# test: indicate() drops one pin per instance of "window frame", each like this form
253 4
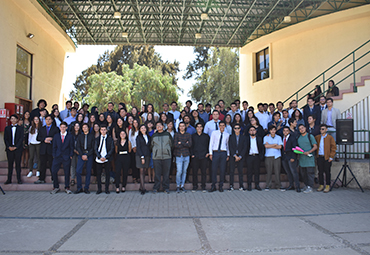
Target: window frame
26 75
267 69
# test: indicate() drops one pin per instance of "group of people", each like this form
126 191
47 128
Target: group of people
108 144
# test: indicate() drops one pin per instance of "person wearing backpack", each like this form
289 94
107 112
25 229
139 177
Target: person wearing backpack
307 160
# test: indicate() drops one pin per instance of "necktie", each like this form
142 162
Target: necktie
68 113
101 145
85 144
47 130
216 125
284 142
219 144
62 138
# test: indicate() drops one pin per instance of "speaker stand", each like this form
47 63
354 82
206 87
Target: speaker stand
2 190
344 177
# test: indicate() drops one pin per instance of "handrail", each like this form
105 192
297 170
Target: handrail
353 62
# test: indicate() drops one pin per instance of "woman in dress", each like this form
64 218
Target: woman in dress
26 127
123 149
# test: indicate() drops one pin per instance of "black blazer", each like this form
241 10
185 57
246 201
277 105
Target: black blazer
46 148
316 111
109 146
241 147
81 143
260 132
18 140
142 148
169 115
63 150
288 153
260 147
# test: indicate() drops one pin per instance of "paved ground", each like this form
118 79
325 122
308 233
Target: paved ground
235 222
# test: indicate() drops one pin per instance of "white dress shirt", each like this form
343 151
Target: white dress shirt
103 152
210 127
14 128
215 141
263 118
254 148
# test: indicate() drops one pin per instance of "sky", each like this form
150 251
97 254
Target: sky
86 55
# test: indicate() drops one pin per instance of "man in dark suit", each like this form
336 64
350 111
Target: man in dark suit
63 146
312 109
237 147
41 104
289 159
13 140
165 107
104 148
46 136
255 152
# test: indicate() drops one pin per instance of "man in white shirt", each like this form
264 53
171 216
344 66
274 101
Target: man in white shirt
262 117
176 114
234 110
212 125
219 155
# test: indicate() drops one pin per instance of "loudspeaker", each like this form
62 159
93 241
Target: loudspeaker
345 132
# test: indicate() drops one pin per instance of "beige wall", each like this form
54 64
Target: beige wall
300 52
48 53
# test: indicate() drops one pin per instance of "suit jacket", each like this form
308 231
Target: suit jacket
240 147
169 115
334 116
329 146
260 146
142 148
18 140
315 111
288 153
63 150
46 148
109 146
81 143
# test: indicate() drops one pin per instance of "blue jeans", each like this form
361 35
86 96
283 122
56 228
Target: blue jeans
182 164
80 165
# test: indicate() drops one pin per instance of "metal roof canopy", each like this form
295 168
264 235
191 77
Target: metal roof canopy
230 23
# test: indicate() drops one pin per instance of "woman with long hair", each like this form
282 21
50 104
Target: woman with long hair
150 108
101 120
316 94
110 125
195 119
135 115
55 114
256 124
142 155
92 121
75 133
151 130
163 118
34 145
333 91
180 119
132 134
120 126
238 120
26 127
123 149
250 114
297 115
228 127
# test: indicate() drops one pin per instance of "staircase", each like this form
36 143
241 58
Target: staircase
28 183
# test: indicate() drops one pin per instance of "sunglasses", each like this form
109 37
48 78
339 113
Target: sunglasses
236 128
322 128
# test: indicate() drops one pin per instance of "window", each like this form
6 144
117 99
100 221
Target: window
263 64
23 76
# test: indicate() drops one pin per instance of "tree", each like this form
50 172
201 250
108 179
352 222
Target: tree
132 86
220 80
114 60
199 65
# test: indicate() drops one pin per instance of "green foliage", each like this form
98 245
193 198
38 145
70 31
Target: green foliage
116 59
132 86
220 78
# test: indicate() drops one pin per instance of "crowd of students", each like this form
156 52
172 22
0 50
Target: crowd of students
109 144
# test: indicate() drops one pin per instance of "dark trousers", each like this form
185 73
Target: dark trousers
202 164
80 165
161 167
308 174
135 170
122 164
44 159
253 169
292 172
57 162
218 161
99 169
324 168
16 156
239 165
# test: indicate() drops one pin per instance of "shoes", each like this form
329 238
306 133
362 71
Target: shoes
183 190
327 189
117 190
298 189
37 173
107 192
54 191
213 189
316 181
321 188
231 188
68 191
87 191
282 189
267 189
123 189
98 192
241 188
7 182
258 187
143 191
204 190
250 188
194 189
178 190
308 190
167 191
78 191
290 187
19 182
29 175
221 189
155 191
39 182
73 183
